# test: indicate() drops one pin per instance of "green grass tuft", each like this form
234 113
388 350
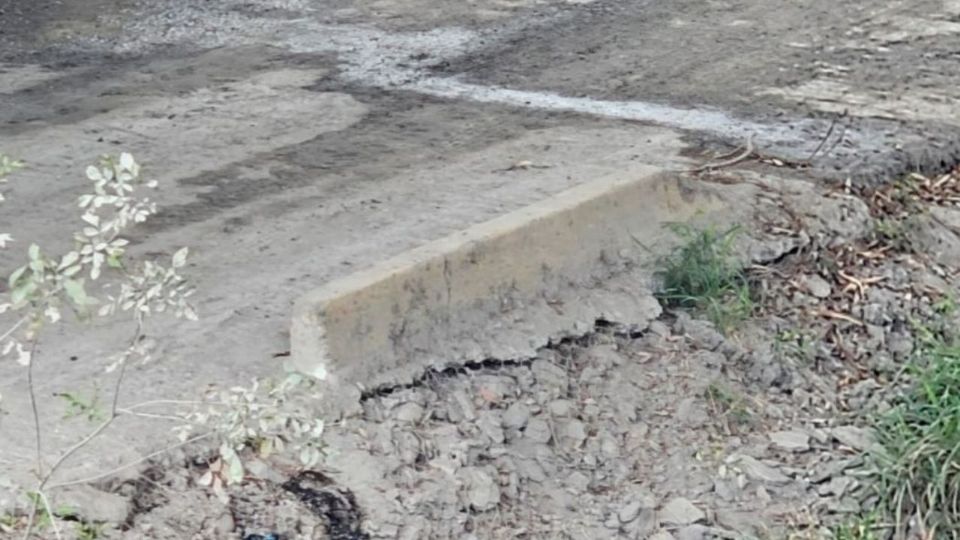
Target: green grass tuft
862 529
918 459
702 274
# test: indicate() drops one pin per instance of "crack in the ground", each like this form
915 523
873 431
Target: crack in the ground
432 375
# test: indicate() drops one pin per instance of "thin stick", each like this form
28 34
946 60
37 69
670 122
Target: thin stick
747 152
830 314
839 140
128 412
166 402
53 518
33 405
13 329
106 423
45 477
823 141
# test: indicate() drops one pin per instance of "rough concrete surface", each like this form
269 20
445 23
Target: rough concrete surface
299 141
504 288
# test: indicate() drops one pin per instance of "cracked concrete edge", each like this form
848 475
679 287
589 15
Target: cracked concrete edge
503 288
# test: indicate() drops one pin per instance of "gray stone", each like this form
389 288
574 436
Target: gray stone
819 435
578 482
741 522
764 496
662 535
495 388
462 407
489 423
836 486
726 489
882 362
415 528
260 469
659 329
479 489
223 525
846 505
537 430
606 355
629 512
516 416
680 511
900 345
833 468
691 412
409 412
816 285
560 407
646 522
590 409
407 447
854 437
627 412
636 437
574 433
640 527
702 334
549 374
694 532
530 469
791 441
876 338
609 447
759 471
92 504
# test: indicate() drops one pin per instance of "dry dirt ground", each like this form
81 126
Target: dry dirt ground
298 140
672 430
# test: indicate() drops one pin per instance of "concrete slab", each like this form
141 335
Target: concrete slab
265 231
501 289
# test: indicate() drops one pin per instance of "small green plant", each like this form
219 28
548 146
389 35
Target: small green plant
893 231
89 531
262 418
863 528
730 407
8 522
50 287
77 405
46 515
702 274
917 463
98 278
794 344
946 305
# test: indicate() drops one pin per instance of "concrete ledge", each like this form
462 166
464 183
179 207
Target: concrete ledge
501 289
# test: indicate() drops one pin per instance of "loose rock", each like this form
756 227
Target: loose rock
537 431
516 416
757 470
816 285
791 441
409 412
855 437
629 512
680 511
478 489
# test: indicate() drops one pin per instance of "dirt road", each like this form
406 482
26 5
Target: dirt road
297 140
